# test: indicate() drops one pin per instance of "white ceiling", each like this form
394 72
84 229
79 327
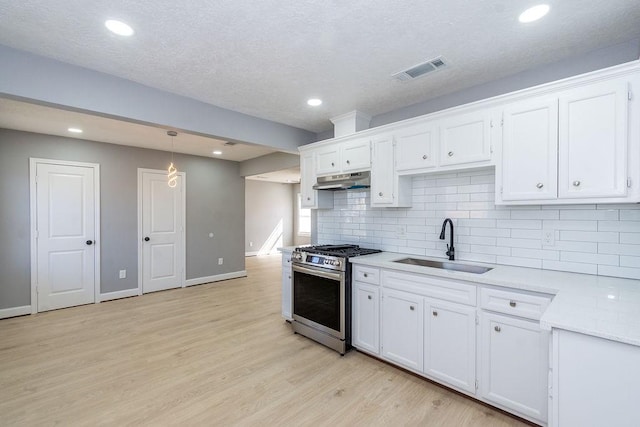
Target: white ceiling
28 117
265 58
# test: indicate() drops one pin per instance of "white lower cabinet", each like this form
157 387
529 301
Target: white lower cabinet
286 285
366 317
450 343
514 364
402 328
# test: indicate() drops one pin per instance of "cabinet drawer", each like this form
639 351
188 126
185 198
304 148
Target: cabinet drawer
515 303
444 289
366 274
286 260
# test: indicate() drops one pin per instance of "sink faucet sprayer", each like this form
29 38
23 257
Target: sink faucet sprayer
450 248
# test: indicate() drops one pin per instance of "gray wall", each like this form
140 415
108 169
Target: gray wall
46 81
267 204
214 203
595 60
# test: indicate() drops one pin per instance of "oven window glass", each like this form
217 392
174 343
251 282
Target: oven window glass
317 299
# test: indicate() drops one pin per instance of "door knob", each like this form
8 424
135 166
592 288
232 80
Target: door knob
146 239
450 153
348 162
425 157
540 185
89 242
435 313
380 194
411 308
576 183
497 328
368 296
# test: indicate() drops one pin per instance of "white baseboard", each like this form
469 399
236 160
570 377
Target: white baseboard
15 311
216 278
119 294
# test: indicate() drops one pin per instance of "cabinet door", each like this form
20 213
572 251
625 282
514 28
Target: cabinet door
529 169
356 155
402 328
366 317
593 141
382 179
286 285
310 198
515 364
450 343
465 138
328 159
416 147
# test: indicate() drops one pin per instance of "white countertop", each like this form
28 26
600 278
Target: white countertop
286 248
601 306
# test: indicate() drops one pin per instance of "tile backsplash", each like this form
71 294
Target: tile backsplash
593 239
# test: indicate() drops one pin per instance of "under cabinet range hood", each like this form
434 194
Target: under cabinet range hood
345 181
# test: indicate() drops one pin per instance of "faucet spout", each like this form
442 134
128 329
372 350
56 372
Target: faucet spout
450 249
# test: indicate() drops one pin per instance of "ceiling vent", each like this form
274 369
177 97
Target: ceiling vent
420 70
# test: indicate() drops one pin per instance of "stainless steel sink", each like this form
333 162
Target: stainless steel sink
475 269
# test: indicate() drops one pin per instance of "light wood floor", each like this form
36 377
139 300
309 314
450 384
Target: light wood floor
215 354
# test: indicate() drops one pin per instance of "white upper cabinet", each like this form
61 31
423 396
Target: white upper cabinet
568 148
387 188
416 147
465 138
310 198
342 157
529 165
593 141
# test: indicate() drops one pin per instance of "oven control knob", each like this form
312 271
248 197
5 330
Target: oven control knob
336 263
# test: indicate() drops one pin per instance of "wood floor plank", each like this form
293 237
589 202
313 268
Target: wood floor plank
213 354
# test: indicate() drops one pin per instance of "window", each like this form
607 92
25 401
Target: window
304 219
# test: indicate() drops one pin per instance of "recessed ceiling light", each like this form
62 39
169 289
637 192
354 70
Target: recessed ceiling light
217 153
75 130
314 102
534 13
118 27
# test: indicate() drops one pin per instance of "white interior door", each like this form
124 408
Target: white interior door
162 232
65 234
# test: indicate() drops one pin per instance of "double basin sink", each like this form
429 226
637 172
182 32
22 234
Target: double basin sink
475 269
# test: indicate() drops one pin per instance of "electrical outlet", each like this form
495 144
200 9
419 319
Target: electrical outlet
210 235
250 244
548 237
401 230
123 274
220 261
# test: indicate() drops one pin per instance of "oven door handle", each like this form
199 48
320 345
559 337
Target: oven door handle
317 272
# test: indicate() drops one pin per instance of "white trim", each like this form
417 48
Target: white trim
15 311
126 293
183 243
216 278
33 163
252 253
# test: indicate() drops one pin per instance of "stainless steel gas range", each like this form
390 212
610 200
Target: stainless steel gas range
321 286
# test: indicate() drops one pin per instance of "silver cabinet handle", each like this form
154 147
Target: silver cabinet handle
289 277
365 275
308 198
380 193
348 162
435 313
576 183
540 185
425 157
497 329
512 303
368 296
450 153
411 308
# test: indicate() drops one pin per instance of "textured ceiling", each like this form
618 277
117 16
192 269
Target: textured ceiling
265 58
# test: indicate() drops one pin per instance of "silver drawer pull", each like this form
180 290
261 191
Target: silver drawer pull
365 275
512 303
411 308
540 185
348 162
368 296
450 153
380 194
332 164
497 329
308 198
576 183
425 157
435 313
